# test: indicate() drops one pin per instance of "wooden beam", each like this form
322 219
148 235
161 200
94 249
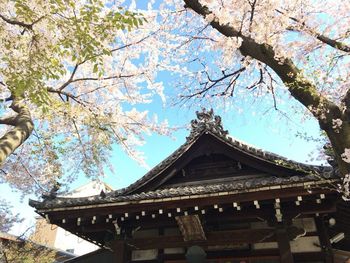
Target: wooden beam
324 239
233 237
132 209
135 207
254 254
283 245
224 255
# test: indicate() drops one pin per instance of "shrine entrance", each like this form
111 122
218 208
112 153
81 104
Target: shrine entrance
228 201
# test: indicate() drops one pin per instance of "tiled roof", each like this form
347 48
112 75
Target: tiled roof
206 123
240 186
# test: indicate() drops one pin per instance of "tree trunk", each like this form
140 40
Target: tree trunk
340 141
324 110
23 127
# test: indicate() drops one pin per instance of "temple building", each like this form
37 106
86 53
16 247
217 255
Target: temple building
215 200
56 237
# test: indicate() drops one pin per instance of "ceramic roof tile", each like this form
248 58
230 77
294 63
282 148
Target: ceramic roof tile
173 192
206 123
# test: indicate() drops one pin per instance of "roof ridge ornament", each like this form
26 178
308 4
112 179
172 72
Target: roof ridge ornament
207 121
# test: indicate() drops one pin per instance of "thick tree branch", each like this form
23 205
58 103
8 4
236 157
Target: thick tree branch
23 127
346 105
324 110
299 87
12 120
324 39
15 22
20 23
333 43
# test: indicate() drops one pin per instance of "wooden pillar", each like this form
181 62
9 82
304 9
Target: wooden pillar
160 257
283 245
324 239
120 252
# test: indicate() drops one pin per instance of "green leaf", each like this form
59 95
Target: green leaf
95 68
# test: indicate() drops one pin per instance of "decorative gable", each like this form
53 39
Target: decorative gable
210 155
209 161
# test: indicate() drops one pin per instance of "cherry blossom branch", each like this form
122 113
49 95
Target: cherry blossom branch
324 39
252 6
260 81
19 23
299 87
61 92
122 141
211 83
79 138
272 89
191 38
303 90
105 78
15 22
70 78
119 48
32 176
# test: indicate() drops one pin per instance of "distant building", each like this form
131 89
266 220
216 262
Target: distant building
54 236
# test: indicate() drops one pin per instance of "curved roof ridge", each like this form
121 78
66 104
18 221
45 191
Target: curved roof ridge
267 155
206 123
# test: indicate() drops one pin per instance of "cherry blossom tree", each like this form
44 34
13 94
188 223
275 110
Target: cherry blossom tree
7 218
72 74
265 46
70 69
16 249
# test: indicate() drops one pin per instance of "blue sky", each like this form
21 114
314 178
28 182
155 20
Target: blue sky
246 118
271 132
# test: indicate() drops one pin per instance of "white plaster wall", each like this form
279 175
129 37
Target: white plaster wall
266 245
174 232
306 223
92 188
305 244
65 240
148 254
